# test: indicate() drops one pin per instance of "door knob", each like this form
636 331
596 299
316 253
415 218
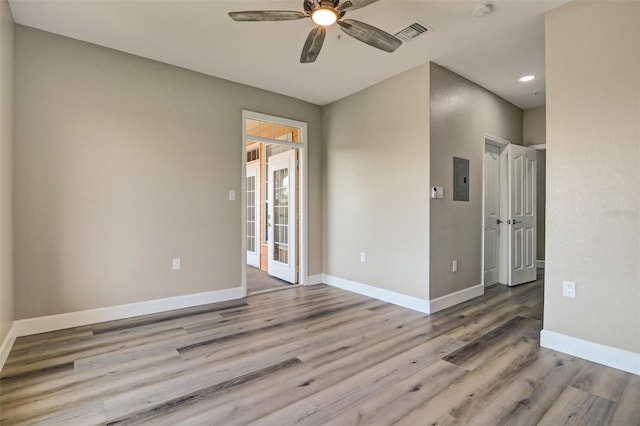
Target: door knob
499 221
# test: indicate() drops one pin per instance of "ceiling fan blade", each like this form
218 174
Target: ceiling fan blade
354 4
266 15
371 35
312 46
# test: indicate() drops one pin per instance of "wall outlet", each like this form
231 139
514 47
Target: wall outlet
454 266
569 289
363 257
175 264
232 195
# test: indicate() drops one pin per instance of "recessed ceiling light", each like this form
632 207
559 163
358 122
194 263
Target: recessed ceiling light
526 78
483 10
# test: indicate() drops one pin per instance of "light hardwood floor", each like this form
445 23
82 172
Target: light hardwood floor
258 280
315 355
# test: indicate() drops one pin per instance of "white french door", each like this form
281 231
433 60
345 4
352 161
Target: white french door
522 214
253 214
492 219
281 223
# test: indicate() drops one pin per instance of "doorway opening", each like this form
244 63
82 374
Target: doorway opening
274 203
509 213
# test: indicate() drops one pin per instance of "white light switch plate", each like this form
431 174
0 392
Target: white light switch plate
232 195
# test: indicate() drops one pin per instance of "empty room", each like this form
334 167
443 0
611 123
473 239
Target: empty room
316 212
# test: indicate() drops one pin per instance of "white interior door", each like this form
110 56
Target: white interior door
492 222
522 214
253 214
281 222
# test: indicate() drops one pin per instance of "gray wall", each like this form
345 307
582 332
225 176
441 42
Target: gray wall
123 163
376 185
534 126
461 114
593 191
6 168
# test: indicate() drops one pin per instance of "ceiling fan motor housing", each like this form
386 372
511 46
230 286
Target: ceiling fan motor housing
310 5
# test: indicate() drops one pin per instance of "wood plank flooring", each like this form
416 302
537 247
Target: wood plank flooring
315 355
258 280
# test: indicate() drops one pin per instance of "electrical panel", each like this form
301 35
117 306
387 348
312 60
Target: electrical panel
460 179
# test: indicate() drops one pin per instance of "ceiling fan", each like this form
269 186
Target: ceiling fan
326 13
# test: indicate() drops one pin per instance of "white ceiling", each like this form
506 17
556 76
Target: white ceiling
493 51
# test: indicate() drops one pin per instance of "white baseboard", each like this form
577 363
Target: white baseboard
315 279
76 319
540 264
602 354
452 299
410 302
7 344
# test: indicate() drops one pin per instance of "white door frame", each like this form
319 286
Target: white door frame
501 143
302 182
505 209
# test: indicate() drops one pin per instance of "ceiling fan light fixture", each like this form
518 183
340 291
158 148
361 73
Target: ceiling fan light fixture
324 16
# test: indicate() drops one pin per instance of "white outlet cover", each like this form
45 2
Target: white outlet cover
363 257
569 289
232 195
175 264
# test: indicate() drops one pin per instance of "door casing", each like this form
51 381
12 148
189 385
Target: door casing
505 269
303 210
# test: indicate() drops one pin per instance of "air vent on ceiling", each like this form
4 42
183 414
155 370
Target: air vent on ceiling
412 31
